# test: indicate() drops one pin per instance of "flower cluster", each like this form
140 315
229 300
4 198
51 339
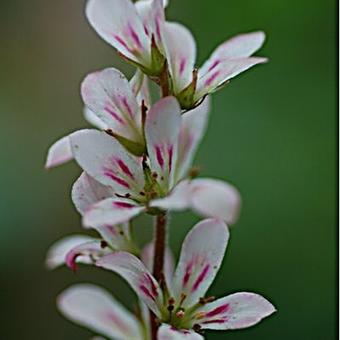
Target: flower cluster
138 160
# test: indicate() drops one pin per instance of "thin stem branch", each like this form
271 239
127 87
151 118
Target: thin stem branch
160 242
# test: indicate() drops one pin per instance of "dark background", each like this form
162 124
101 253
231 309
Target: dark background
272 133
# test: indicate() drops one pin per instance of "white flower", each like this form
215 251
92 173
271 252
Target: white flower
227 61
135 31
181 308
156 182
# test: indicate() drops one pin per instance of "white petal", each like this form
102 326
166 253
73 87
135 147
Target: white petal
178 199
94 308
86 191
119 24
93 119
137 275
180 48
111 212
193 128
91 251
152 15
59 153
56 255
236 311
147 257
209 80
109 95
104 159
162 130
215 198
167 332
240 46
201 257
139 84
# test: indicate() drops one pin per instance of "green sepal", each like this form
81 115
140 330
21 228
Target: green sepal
186 98
135 148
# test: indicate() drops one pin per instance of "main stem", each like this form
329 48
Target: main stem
160 238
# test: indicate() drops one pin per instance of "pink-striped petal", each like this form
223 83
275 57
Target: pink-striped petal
215 198
167 332
180 48
162 130
152 15
148 255
119 24
94 308
193 128
201 257
56 255
109 95
210 79
93 119
111 212
59 153
236 311
104 159
137 275
92 251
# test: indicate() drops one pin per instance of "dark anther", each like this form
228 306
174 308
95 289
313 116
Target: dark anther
110 132
103 244
204 301
171 308
196 327
142 193
121 233
171 301
154 175
127 195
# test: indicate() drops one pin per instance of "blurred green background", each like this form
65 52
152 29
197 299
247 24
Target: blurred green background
272 133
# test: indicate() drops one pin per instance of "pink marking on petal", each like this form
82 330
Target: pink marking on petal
119 323
158 28
182 66
146 30
114 115
187 274
123 205
201 277
125 168
215 321
159 156
121 41
152 284
219 310
134 36
146 292
127 106
170 153
214 65
120 181
211 79
70 260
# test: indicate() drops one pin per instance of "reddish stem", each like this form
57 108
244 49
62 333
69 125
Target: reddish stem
160 238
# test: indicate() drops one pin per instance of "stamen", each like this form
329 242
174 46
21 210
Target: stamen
204 301
183 297
103 244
